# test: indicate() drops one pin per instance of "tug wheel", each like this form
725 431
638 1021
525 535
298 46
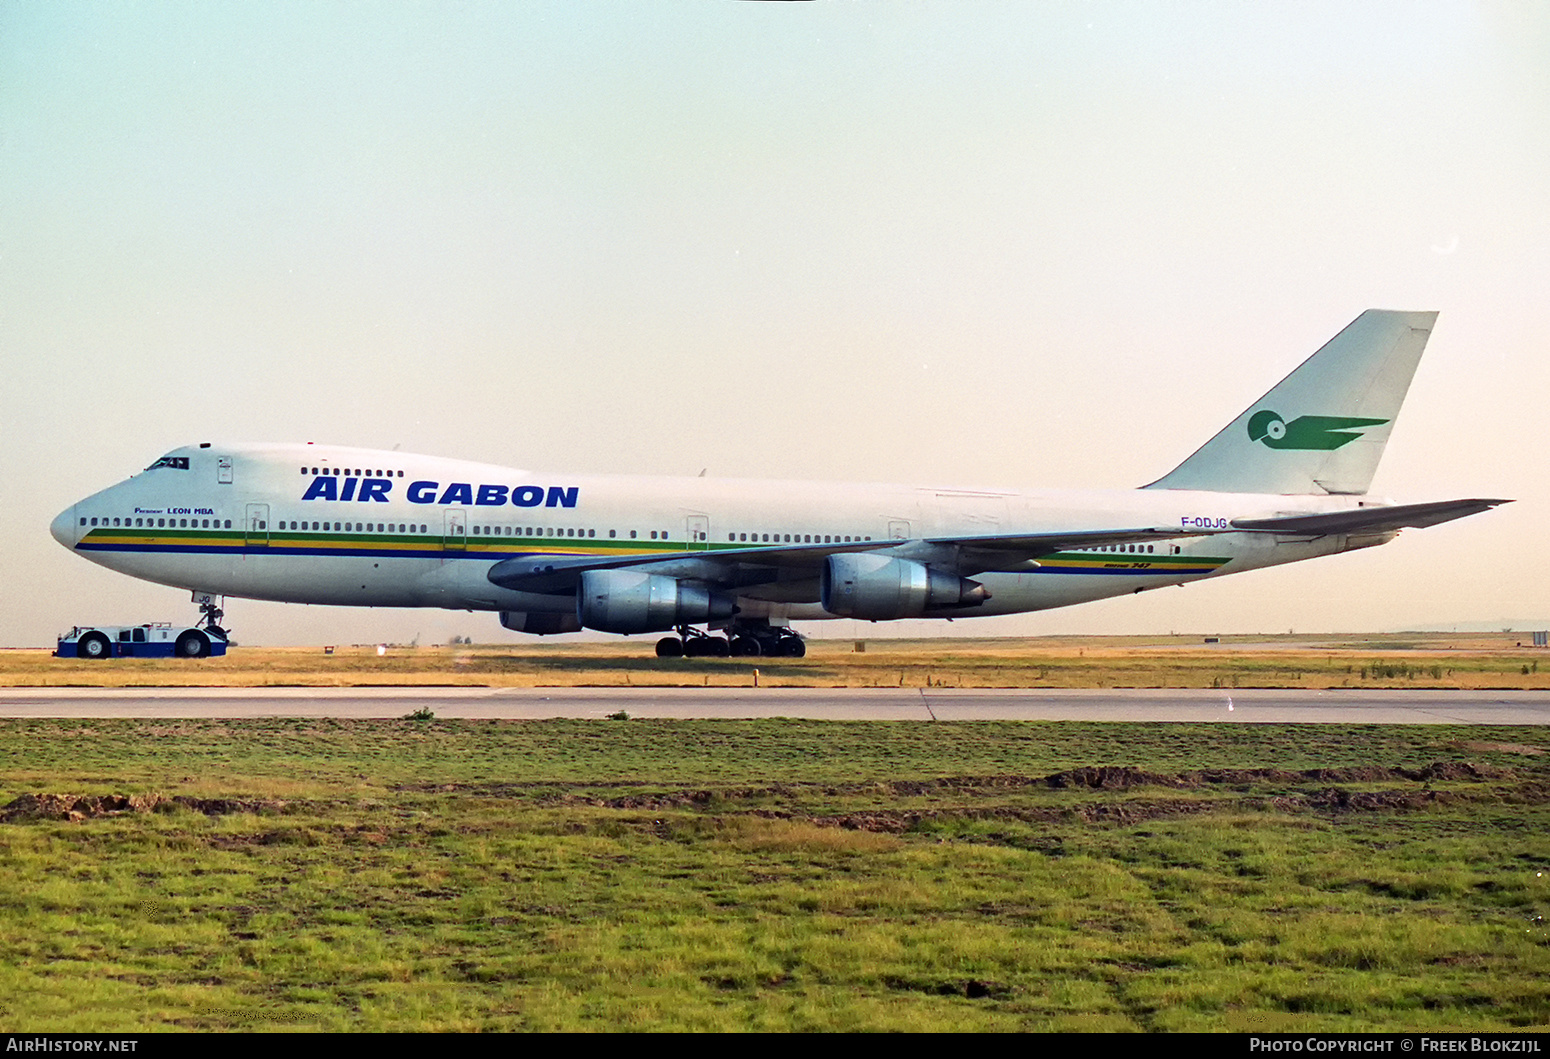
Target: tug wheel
193 644
94 645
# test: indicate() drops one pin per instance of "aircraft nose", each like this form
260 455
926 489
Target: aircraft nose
63 527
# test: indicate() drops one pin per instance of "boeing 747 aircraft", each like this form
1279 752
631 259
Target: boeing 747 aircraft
553 553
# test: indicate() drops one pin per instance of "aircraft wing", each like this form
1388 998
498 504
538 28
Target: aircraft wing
723 566
740 567
965 556
1370 519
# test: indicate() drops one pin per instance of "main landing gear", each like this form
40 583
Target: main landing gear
742 640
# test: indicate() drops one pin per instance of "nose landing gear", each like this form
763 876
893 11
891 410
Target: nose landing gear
209 607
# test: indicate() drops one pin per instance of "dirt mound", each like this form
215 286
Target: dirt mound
1372 801
43 806
1108 778
46 806
1087 777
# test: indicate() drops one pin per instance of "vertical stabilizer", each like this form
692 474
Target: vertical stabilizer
1322 428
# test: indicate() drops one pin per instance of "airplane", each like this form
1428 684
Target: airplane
1285 481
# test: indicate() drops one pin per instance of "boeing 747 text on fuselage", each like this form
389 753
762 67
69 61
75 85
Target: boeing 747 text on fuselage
553 553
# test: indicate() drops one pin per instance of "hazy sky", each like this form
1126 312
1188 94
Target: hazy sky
1020 244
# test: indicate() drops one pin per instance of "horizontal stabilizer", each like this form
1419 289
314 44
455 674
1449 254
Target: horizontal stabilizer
1371 519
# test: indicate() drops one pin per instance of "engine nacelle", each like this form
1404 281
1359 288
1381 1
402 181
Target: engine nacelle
626 601
881 588
540 623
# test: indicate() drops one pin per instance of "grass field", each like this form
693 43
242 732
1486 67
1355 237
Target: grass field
403 875
1374 661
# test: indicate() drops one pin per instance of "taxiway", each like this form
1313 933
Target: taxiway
1334 706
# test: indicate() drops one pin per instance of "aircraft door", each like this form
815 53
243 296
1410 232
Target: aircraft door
257 532
223 470
455 536
697 531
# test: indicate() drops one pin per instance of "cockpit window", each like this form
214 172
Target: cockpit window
179 462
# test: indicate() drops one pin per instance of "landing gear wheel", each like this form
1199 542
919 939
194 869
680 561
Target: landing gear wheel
792 647
698 645
94 646
745 647
670 647
193 644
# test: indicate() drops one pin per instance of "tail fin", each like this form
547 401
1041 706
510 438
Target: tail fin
1322 428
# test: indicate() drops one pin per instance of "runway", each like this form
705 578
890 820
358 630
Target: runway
1336 706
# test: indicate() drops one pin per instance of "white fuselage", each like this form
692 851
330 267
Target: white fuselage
357 527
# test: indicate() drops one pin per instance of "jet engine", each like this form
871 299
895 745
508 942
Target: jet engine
881 588
626 601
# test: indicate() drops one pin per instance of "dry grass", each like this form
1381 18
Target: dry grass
1406 660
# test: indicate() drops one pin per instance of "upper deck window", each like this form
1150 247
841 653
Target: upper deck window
178 462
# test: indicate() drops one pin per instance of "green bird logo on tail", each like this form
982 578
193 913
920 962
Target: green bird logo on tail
1306 432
